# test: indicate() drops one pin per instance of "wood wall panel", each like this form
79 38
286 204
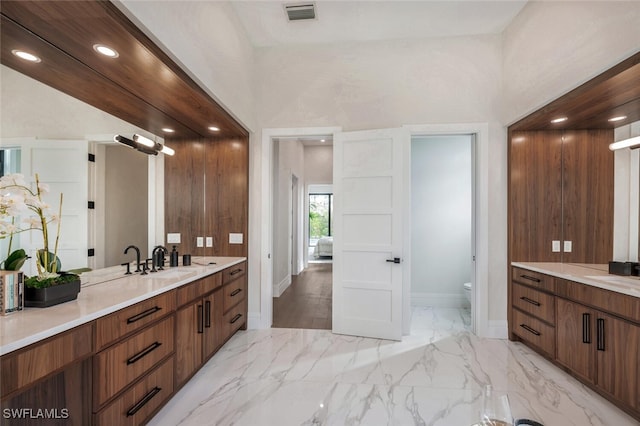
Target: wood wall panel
587 195
535 195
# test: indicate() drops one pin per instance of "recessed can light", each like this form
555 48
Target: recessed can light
214 128
167 130
618 118
559 119
105 50
26 55
323 140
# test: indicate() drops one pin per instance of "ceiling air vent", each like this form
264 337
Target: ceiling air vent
300 11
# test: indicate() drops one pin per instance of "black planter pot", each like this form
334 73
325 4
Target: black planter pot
49 296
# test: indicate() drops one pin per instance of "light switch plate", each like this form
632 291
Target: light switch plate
173 238
567 246
199 241
555 246
235 238
209 241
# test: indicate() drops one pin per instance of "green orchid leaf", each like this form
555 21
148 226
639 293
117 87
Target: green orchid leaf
52 260
15 260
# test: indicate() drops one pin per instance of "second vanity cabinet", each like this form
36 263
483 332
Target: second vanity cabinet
592 332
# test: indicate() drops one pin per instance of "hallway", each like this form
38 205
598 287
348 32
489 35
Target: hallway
307 301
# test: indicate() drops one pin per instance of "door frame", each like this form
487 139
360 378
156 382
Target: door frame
480 240
266 240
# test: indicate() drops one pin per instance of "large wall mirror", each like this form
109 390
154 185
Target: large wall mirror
45 131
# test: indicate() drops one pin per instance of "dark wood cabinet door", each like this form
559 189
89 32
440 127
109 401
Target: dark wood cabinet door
576 338
535 195
587 195
618 357
210 335
189 330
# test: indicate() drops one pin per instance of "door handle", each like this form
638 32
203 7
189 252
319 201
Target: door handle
394 260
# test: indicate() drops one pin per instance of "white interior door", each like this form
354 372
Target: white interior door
63 165
367 283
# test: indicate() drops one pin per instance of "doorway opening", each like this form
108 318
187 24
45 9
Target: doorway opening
442 231
302 279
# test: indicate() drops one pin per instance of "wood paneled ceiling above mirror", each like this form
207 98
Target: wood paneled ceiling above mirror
142 86
614 93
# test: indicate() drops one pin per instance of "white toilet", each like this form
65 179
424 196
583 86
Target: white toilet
467 292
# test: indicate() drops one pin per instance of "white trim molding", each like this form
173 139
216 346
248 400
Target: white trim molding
282 286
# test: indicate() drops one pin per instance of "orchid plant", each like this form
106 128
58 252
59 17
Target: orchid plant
16 199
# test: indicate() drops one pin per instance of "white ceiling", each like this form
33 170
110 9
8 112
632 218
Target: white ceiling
348 21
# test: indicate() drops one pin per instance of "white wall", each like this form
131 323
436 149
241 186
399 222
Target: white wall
552 47
441 215
290 161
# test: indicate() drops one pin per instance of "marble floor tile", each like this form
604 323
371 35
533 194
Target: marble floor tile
435 376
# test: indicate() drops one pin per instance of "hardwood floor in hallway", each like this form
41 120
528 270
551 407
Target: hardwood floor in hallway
307 301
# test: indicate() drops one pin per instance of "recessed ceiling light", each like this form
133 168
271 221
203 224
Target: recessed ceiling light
105 50
618 118
323 140
214 128
25 55
559 119
167 130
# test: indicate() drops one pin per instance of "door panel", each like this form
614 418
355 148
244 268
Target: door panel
367 288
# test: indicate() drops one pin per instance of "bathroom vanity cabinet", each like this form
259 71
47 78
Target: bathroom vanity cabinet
122 367
591 332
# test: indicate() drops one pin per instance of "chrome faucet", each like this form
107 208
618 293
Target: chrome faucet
137 256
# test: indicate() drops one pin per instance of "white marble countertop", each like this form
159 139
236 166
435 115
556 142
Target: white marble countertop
103 292
591 274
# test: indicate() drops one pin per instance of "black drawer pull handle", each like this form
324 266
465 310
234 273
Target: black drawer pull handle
236 291
145 352
237 271
527 277
586 328
600 345
200 320
236 318
533 302
529 329
143 314
207 314
148 397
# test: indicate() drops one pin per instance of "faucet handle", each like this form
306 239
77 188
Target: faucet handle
127 264
153 264
145 268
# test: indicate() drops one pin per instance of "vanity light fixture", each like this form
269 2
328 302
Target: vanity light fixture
105 50
633 143
559 120
26 56
145 145
618 118
214 128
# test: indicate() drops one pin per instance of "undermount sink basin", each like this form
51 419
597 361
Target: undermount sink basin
167 274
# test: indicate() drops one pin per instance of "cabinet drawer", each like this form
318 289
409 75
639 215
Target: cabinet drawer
142 399
233 294
535 331
127 320
233 320
618 304
233 272
536 303
23 367
193 291
533 279
119 365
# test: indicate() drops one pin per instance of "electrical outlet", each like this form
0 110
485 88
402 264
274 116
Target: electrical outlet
567 246
209 241
555 246
173 238
199 241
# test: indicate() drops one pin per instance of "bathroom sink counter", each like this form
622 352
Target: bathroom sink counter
595 275
103 292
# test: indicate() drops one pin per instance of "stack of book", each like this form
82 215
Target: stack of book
11 291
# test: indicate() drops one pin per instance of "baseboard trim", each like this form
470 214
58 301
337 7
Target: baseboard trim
497 329
279 288
439 300
254 321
